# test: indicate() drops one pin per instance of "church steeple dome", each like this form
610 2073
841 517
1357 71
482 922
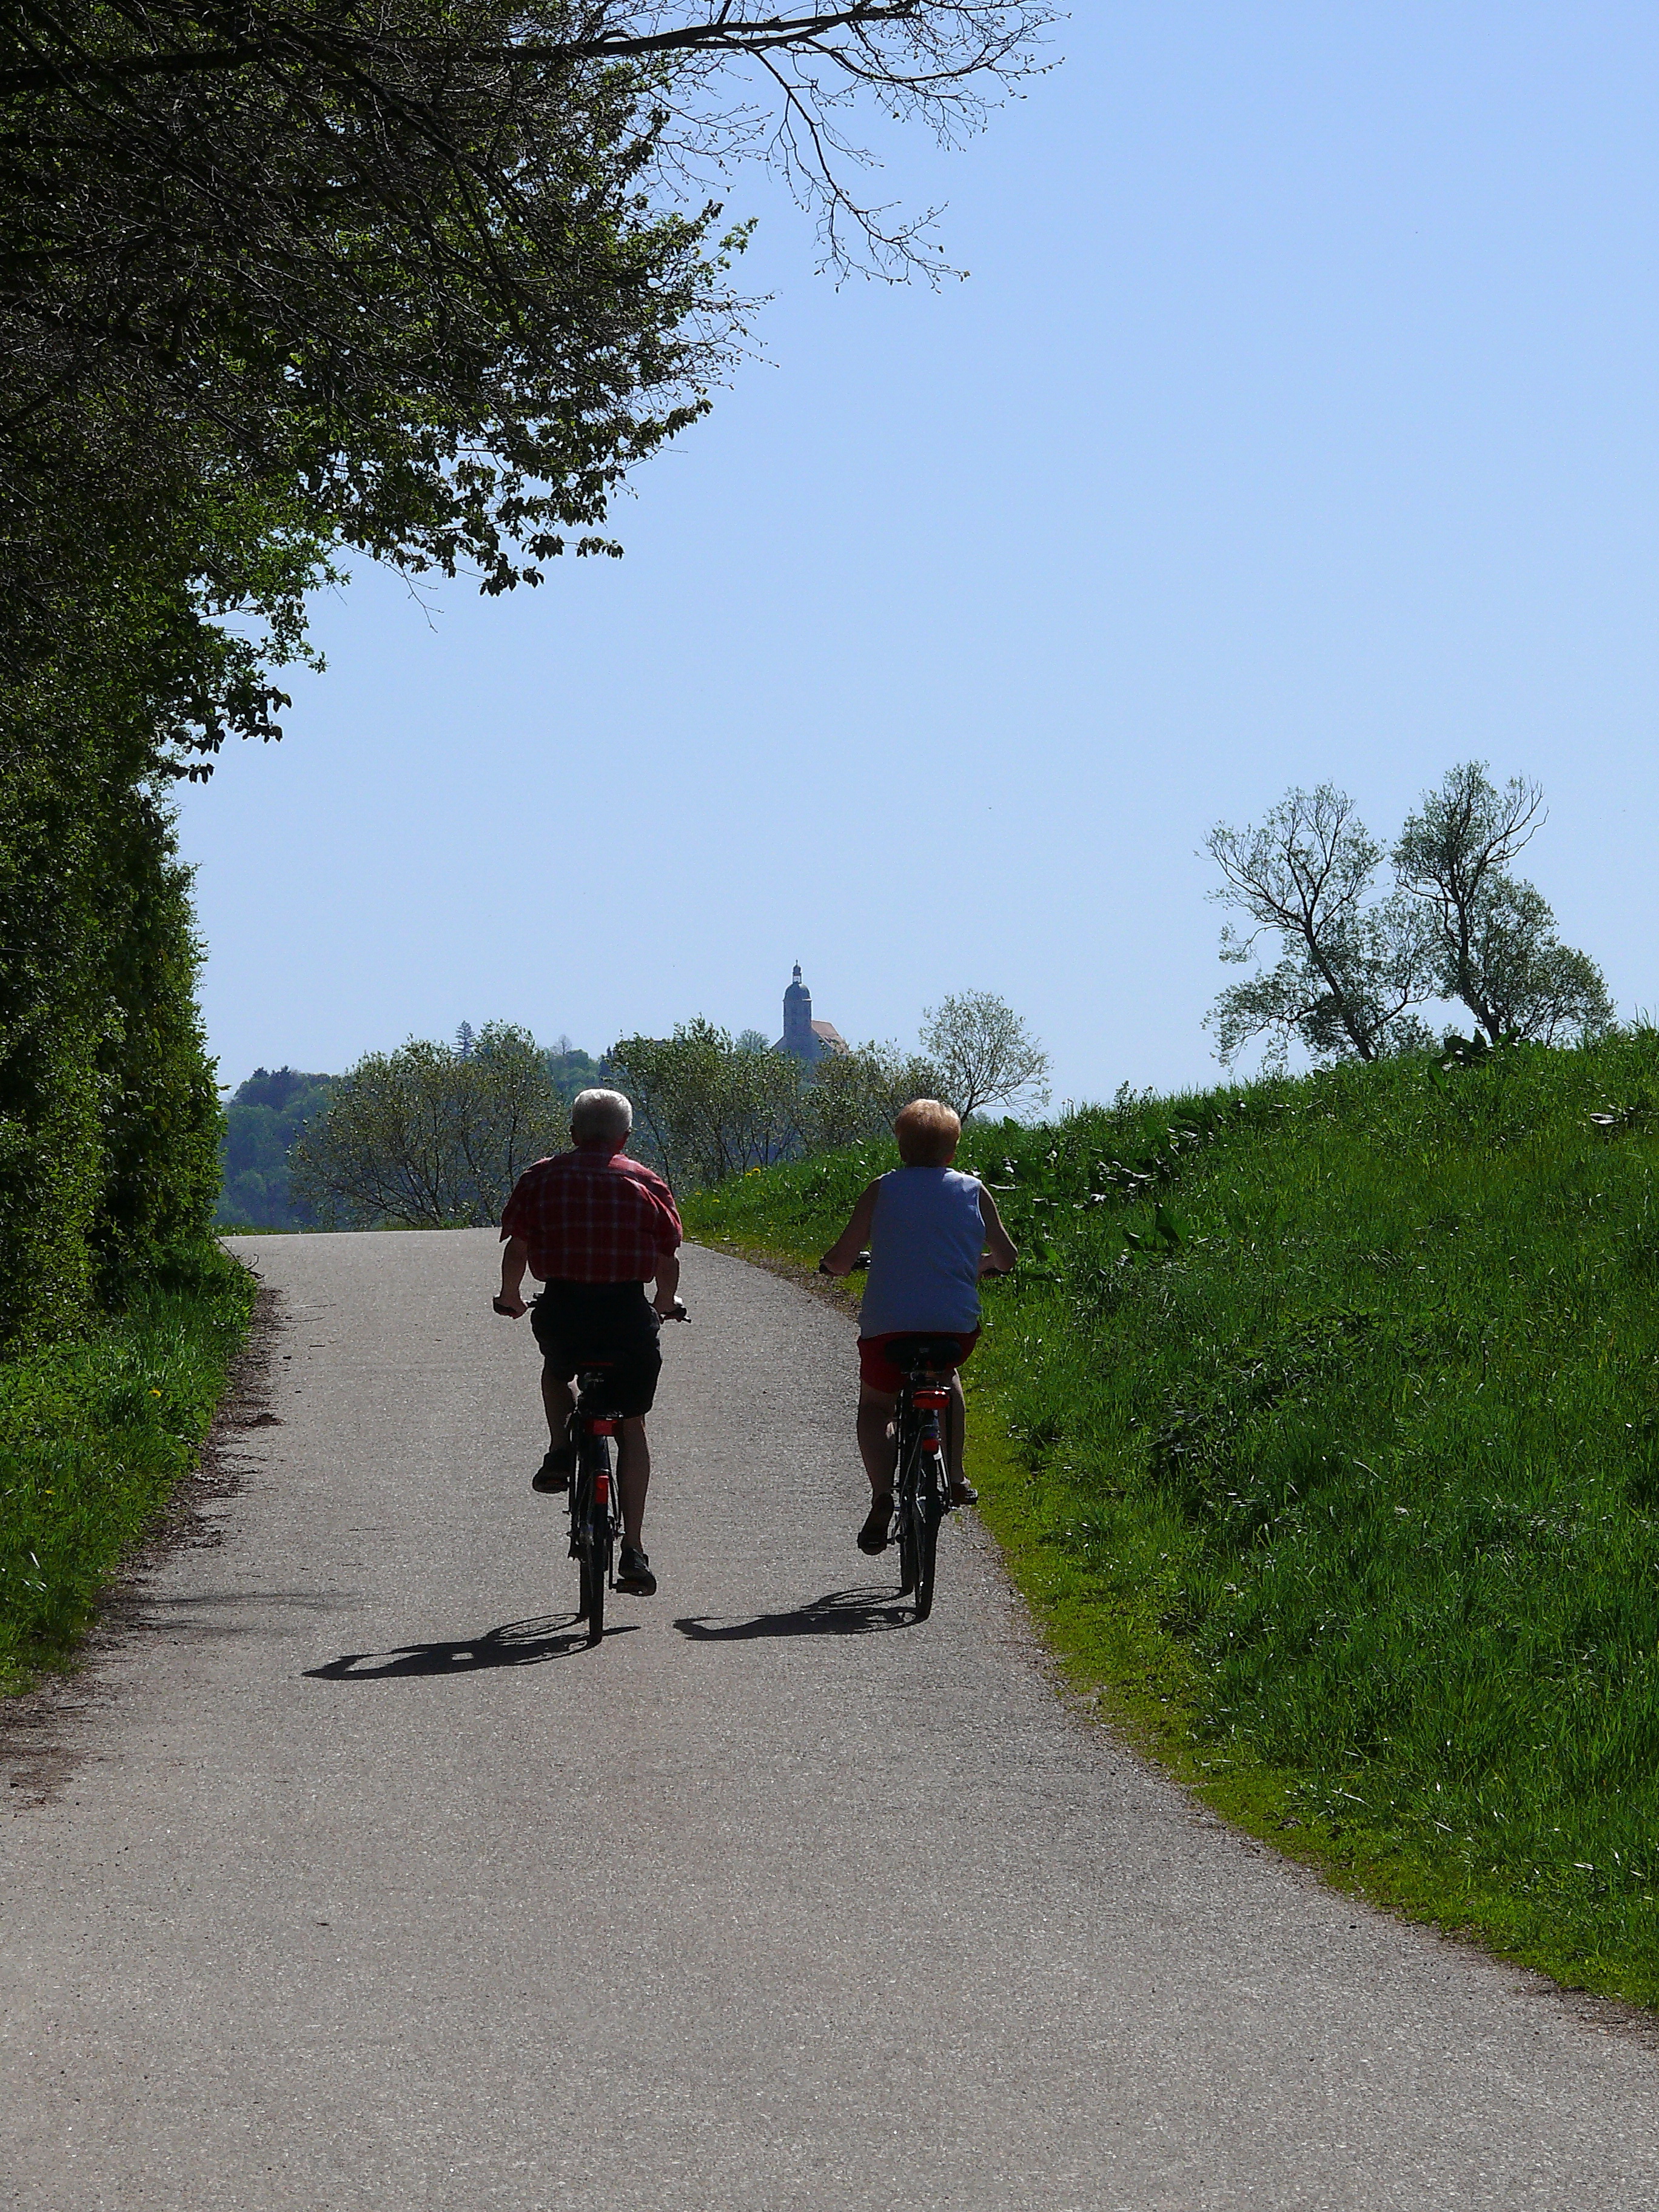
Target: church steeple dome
797 1037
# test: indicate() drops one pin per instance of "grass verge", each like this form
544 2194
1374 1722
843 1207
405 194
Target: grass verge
94 1434
1323 1440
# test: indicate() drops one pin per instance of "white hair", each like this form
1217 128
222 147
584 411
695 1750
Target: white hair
600 1114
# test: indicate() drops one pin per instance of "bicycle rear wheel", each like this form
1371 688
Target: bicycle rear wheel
908 1458
932 1495
593 1536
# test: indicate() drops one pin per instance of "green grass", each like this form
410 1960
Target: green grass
1321 1427
94 1434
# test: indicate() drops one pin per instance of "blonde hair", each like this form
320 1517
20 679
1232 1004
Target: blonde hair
602 1115
927 1133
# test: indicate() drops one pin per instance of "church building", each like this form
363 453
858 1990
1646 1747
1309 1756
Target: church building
802 1038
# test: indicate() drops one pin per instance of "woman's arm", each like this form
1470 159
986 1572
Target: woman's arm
1000 1250
838 1260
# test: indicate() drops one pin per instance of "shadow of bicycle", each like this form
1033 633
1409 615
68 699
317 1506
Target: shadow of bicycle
839 1613
515 1643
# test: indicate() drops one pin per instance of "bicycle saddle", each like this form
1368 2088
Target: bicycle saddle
939 1355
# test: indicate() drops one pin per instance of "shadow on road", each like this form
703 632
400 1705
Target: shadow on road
839 1613
515 1643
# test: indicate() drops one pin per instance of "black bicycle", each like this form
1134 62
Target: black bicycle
595 1502
595 1492
921 1484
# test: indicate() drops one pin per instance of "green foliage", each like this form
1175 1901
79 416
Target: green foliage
93 1436
1335 1405
162 1119
108 1113
1353 967
707 1108
1496 946
431 1136
984 1055
573 1071
456 371
262 1123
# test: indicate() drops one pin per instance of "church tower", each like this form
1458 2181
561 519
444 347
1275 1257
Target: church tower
797 1037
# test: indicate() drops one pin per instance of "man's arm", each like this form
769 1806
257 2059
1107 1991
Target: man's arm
668 1282
1001 1251
515 1258
838 1260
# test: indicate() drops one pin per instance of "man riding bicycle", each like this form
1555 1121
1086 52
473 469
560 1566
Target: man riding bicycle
595 1226
932 1234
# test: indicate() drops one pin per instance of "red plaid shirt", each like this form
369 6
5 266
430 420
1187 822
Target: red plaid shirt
592 1216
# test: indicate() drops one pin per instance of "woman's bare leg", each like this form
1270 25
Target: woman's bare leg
878 1446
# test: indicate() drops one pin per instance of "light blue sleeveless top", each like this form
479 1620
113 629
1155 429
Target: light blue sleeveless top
925 1245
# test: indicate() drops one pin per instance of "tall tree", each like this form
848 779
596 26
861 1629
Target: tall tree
1352 968
705 1106
984 1054
1496 948
427 1137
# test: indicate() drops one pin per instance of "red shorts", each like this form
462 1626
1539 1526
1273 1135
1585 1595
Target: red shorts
877 1371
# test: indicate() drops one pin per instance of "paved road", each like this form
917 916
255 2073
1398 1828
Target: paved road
371 1887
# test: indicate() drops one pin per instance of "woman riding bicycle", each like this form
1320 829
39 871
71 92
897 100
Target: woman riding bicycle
932 1234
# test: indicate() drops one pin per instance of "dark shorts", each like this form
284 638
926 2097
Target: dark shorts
877 1370
611 1325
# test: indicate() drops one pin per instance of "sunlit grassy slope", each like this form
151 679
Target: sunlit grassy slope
1332 1421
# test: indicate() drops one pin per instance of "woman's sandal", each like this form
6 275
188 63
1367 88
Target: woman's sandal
872 1537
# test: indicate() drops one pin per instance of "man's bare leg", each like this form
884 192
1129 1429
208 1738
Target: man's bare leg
559 1403
633 1477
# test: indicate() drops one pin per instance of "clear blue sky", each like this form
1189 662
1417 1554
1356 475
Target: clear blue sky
1298 420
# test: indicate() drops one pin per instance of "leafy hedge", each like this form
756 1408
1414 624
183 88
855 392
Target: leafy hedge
109 1118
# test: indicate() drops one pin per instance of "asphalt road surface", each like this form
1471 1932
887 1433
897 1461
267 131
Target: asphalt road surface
365 1884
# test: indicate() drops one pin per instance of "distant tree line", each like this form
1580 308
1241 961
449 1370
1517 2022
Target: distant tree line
437 1109
1356 964
264 1118
707 1108
434 1135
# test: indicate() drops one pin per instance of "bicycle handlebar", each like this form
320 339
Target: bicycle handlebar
678 1314
860 1266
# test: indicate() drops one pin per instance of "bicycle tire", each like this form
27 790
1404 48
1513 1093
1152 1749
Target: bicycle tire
931 1511
592 1536
905 1460
593 1592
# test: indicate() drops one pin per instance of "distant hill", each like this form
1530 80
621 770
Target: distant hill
261 1123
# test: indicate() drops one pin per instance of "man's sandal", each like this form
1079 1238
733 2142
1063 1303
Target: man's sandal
872 1537
554 1473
